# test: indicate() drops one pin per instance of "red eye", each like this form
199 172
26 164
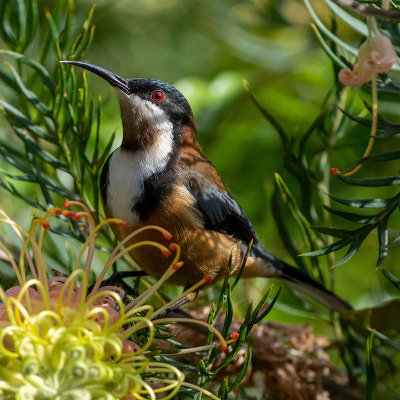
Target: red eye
157 96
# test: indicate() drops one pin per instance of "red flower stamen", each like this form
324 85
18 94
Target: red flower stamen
335 171
234 335
69 214
66 204
172 246
166 253
224 348
176 266
122 224
58 211
207 278
167 235
46 225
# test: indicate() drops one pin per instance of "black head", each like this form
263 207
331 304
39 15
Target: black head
149 107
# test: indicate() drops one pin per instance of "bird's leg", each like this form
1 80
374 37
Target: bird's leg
181 302
117 277
126 274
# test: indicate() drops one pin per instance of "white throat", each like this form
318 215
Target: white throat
128 171
138 114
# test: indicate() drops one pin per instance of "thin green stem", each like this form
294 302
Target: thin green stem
373 127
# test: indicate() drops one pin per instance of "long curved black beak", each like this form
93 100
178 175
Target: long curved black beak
110 77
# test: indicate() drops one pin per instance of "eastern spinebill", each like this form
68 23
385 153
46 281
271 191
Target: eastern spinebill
160 176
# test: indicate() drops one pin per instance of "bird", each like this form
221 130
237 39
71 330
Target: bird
159 175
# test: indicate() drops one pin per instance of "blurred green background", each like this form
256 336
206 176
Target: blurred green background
205 49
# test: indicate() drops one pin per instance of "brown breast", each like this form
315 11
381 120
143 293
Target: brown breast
203 251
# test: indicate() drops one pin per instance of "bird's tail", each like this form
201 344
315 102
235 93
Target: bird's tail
299 280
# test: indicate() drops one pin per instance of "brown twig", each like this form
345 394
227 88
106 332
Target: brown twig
369 10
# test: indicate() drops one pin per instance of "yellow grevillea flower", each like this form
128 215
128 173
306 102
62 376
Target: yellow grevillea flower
57 341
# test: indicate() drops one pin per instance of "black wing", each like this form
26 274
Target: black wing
220 211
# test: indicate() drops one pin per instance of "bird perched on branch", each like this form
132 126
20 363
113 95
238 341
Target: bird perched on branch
160 176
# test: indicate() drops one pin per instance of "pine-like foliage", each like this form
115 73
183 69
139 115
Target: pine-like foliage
50 113
51 150
309 225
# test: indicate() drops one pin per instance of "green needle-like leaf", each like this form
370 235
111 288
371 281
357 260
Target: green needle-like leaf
359 218
329 249
389 128
31 96
245 367
284 137
335 232
223 390
269 307
39 69
26 122
371 375
38 150
354 246
326 31
392 278
239 274
346 17
6 27
372 182
392 343
387 156
327 49
296 213
32 21
255 312
383 236
366 203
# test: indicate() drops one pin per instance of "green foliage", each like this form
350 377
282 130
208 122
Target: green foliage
307 168
371 375
53 116
341 112
339 50
53 149
252 317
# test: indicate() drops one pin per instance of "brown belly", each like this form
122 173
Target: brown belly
203 251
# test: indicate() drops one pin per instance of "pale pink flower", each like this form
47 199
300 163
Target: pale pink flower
375 58
359 75
382 55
